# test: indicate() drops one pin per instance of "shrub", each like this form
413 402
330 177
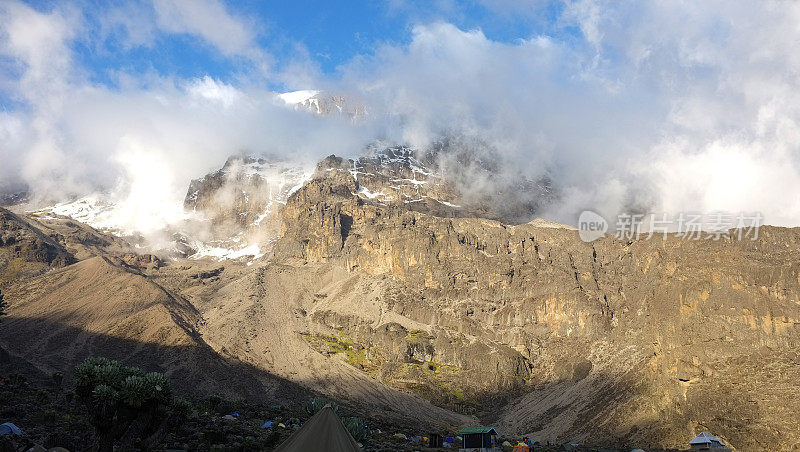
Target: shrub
358 428
125 403
3 306
318 403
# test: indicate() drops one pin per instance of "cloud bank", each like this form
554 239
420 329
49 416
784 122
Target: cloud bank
661 107
656 106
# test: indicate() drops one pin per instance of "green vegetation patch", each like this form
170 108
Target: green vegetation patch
431 380
355 355
417 336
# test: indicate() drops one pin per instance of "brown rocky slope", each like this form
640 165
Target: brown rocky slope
527 327
643 342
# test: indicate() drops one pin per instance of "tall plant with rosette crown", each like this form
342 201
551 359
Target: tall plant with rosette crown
3 306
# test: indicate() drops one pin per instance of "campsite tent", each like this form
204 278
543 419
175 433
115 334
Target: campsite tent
706 441
9 429
324 431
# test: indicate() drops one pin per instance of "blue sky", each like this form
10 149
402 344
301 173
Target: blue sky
331 33
334 34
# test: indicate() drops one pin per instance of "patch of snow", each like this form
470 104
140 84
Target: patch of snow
315 103
369 194
296 97
296 187
411 181
92 210
264 215
419 169
220 253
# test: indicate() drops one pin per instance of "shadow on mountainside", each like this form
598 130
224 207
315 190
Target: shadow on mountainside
748 401
39 348
597 408
46 347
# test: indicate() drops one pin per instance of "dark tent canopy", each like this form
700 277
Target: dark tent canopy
324 431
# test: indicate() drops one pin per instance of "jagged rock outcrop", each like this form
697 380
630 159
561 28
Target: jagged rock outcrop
247 194
443 182
608 340
393 175
244 194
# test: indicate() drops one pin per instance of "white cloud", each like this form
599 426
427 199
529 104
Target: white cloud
38 44
149 134
149 194
128 24
661 105
212 22
212 90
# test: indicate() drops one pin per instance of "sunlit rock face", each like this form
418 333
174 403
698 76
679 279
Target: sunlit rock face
645 338
244 199
246 194
383 277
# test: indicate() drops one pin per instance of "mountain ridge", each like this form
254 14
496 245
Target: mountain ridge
435 316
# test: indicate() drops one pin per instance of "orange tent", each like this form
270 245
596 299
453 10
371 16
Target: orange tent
521 448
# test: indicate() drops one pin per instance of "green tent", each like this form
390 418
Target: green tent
324 431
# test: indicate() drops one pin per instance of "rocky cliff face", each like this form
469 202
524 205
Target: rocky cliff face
636 341
247 194
244 194
393 175
392 288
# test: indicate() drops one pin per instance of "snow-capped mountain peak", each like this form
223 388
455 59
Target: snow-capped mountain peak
323 103
297 97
